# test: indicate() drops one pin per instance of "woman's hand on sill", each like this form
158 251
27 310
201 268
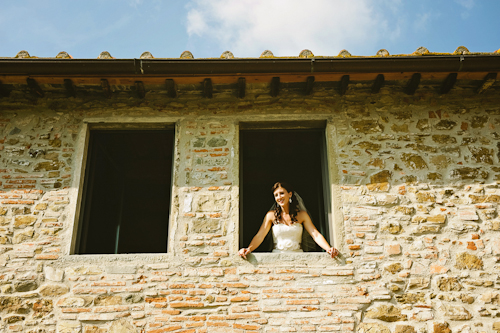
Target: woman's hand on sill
244 252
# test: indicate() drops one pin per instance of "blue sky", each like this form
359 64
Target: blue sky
126 28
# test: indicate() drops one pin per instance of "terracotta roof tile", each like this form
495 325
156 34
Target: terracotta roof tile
421 51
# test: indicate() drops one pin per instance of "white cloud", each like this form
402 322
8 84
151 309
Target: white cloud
248 27
467 4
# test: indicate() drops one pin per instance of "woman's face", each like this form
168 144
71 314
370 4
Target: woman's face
282 196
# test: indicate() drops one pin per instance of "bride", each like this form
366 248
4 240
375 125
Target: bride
287 219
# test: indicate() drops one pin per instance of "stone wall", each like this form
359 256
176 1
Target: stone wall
415 196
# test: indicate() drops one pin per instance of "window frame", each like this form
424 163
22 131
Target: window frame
330 171
81 161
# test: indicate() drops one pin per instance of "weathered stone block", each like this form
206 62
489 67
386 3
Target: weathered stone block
404 329
456 312
410 298
391 227
381 177
23 235
468 173
378 187
368 145
13 319
217 142
75 302
22 221
104 300
441 161
419 283
25 286
121 269
48 166
122 326
426 229
441 328
372 328
394 268
385 312
481 155
468 261
425 197
413 161
400 128
50 290
449 284
423 124
440 218
53 274
443 139
445 124
69 327
204 226
367 126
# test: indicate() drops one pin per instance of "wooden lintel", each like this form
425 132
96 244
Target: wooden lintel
275 86
34 87
413 84
488 81
171 88
378 83
448 83
106 88
241 87
344 83
207 88
309 84
70 88
139 87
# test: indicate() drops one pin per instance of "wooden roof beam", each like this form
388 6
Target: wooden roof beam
106 88
309 84
488 81
413 84
448 83
139 87
171 88
275 86
4 92
344 84
378 83
207 88
34 87
241 87
70 88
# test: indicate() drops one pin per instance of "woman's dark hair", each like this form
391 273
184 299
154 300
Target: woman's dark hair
294 205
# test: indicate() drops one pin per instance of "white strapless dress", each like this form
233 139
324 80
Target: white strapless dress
287 238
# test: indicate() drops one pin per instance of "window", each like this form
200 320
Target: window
125 201
284 151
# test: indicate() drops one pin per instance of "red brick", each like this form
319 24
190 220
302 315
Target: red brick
240 299
186 304
46 256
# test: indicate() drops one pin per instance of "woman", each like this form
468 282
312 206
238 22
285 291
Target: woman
287 221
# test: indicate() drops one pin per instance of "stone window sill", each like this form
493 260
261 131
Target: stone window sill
123 257
302 258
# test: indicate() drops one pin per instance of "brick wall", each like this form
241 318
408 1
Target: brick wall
414 180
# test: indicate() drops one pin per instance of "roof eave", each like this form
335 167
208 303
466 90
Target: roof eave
155 67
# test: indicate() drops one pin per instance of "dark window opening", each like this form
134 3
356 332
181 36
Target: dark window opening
126 195
296 156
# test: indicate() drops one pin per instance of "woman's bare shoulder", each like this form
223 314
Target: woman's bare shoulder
302 215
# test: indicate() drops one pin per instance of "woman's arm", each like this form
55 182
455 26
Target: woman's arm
259 237
316 235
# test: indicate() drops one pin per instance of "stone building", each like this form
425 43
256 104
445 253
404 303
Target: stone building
127 187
